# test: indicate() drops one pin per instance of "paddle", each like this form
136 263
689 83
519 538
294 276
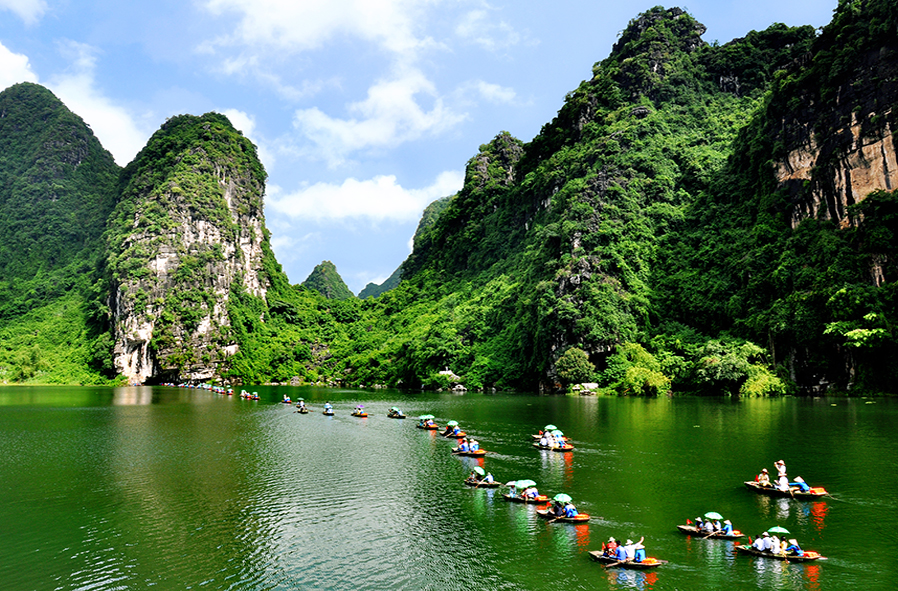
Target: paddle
612 564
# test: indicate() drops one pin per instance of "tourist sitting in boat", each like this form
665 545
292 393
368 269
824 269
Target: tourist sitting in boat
558 509
611 547
301 405
638 551
328 407
621 553
801 484
763 478
475 476
488 478
717 526
394 412
463 446
474 445
708 527
794 549
570 510
429 423
630 548
727 528
530 492
286 399
782 483
760 544
544 440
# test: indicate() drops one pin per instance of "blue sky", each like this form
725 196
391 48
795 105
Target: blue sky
364 111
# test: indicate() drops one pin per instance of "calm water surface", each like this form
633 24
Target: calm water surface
139 488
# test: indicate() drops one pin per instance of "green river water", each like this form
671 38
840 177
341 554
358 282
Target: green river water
166 488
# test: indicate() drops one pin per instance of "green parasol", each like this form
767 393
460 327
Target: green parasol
778 530
524 483
562 498
452 423
557 433
425 417
713 515
550 428
479 470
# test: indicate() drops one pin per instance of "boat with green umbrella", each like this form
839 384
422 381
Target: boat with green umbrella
696 529
395 413
477 479
524 491
560 500
452 430
556 442
426 422
548 429
301 406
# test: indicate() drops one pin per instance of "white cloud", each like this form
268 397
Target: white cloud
377 199
488 91
483 29
28 10
14 68
389 116
241 121
113 124
289 25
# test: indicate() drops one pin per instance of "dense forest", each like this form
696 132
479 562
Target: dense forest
697 218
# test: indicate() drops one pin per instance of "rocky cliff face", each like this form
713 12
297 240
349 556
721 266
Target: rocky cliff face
188 230
835 122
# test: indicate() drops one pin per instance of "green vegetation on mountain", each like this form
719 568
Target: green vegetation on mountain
660 233
821 296
373 290
325 280
57 187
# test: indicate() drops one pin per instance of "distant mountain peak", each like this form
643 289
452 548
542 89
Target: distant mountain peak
325 279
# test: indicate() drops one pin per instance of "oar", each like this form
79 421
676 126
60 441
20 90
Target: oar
610 564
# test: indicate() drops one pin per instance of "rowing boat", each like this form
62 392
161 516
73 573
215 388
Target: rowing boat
395 416
646 563
427 427
303 411
453 436
470 454
718 535
363 415
815 493
482 484
528 500
547 514
328 412
565 447
809 555
538 437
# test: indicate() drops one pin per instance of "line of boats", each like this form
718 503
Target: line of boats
552 439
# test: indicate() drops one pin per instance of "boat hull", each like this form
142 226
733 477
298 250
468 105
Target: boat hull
691 530
481 484
814 493
809 555
470 454
545 514
565 447
530 501
646 564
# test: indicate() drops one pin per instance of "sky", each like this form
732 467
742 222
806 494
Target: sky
364 111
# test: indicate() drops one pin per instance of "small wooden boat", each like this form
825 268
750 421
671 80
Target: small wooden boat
565 447
303 411
528 500
286 401
453 436
363 415
470 454
808 556
794 493
646 564
428 427
718 535
395 416
482 484
547 514
329 412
